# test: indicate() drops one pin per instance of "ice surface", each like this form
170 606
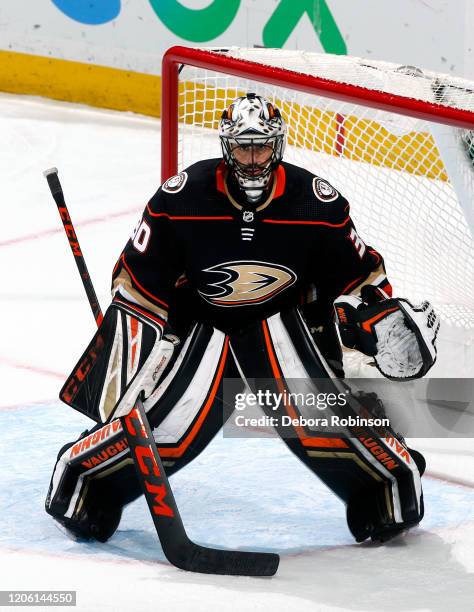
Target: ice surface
238 493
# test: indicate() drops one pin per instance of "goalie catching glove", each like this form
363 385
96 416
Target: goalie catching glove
125 359
401 337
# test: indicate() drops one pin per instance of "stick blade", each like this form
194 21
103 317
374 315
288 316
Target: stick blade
196 558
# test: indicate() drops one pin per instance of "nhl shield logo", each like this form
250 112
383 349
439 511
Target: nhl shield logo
175 183
248 216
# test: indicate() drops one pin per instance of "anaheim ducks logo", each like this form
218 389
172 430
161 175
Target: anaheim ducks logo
247 282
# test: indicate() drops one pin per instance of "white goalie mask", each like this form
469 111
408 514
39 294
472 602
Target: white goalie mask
253 137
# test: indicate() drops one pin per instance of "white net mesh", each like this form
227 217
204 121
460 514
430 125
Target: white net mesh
410 183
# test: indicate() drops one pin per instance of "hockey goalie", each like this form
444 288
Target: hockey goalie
243 266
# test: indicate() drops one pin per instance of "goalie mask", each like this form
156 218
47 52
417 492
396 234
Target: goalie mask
253 137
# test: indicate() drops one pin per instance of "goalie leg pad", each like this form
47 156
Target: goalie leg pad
353 467
94 476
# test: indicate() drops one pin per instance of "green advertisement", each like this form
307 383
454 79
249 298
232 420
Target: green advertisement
287 15
194 25
206 24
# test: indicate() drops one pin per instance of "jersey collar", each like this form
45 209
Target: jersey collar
277 190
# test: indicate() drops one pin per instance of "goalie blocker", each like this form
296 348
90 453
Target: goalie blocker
125 359
94 477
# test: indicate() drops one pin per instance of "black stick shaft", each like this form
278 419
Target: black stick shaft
58 195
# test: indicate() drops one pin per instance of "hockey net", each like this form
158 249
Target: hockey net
407 171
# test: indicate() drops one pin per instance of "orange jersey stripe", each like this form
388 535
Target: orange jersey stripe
375 254
222 218
152 214
352 284
289 222
188 217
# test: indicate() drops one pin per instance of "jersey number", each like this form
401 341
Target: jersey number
357 242
142 237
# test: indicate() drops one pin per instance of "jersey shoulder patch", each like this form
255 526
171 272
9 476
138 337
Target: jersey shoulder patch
324 191
175 183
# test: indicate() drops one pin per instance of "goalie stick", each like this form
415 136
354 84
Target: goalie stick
177 547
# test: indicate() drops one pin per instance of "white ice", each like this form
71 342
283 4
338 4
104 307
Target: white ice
239 493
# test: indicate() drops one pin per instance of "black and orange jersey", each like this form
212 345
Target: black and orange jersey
241 262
